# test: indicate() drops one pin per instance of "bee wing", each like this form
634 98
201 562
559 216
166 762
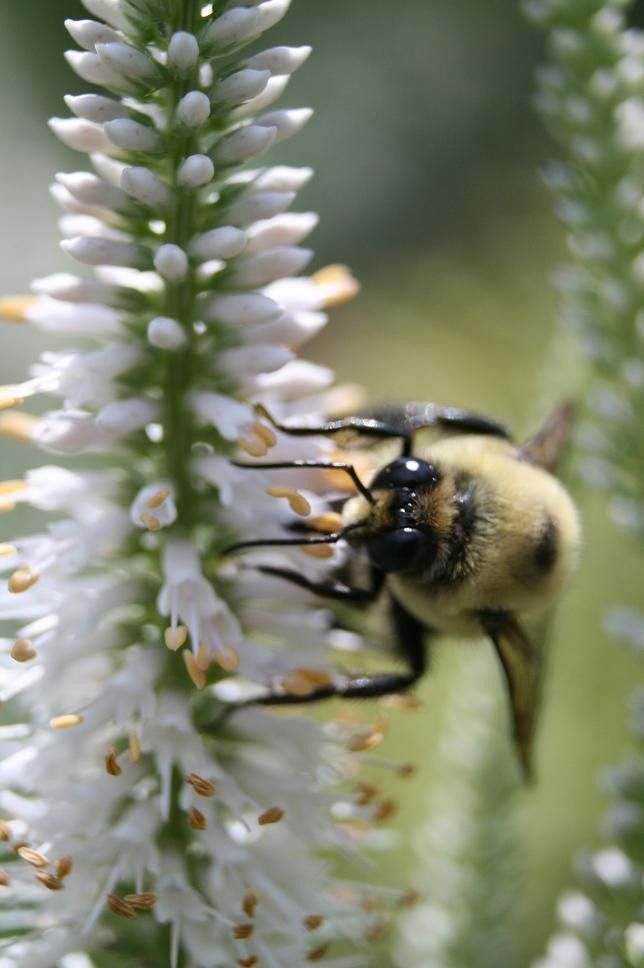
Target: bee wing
522 658
547 445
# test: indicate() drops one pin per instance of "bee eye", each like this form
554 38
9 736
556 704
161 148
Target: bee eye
406 472
404 549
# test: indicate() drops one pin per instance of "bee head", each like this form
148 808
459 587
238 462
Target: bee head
400 541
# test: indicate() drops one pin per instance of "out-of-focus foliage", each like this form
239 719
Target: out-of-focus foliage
426 152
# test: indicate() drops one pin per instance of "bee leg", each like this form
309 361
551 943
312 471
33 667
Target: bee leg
335 590
411 647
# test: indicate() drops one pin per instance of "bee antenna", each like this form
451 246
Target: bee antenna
293 542
310 465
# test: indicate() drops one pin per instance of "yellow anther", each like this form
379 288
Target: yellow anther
157 499
203 658
119 907
18 426
366 741
317 550
196 674
22 650
111 763
150 522
267 434
12 487
64 866
297 501
316 954
204 788
7 401
22 579
272 815
385 809
50 881
33 857
14 309
304 681
66 721
249 904
134 749
174 638
313 921
5 833
366 793
337 284
196 819
242 931
7 549
5 880
327 523
252 444
144 901
227 658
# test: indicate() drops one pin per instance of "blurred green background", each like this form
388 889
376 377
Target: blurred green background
426 152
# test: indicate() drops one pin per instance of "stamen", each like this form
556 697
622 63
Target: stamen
64 722
367 793
267 434
249 904
317 550
196 819
22 579
204 788
5 832
150 522
111 763
377 929
302 682
203 658
144 901
63 866
327 523
253 443
18 426
406 769
297 502
22 650
339 282
367 739
247 962
242 931
272 815
5 880
316 954
157 499
400 700
384 810
408 898
8 401
313 921
50 881
122 909
10 487
174 638
7 549
134 749
33 857
227 658
14 309
196 674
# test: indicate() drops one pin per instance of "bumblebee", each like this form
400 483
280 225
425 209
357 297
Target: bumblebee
469 534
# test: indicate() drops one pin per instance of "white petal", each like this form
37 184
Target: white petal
265 267
171 262
195 171
183 50
126 60
232 27
145 186
221 243
240 86
245 143
87 33
254 359
286 229
193 109
166 333
95 107
125 416
130 135
280 60
95 252
92 69
254 205
80 135
227 415
241 309
287 121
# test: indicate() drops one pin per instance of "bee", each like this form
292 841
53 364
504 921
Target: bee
468 535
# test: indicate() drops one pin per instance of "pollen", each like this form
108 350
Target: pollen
227 658
22 579
5 833
134 749
14 309
196 819
64 866
252 444
66 721
18 426
272 815
150 522
406 769
304 681
249 904
157 499
203 788
9 401
22 650
399 700
197 675
367 739
12 487
33 857
175 637
384 810
313 921
267 434
326 523
203 658
111 763
7 549
121 908
5 880
317 550
242 931
50 881
366 793
247 962
297 502
143 901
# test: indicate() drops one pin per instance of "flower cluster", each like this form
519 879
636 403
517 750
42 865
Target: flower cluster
591 96
131 823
